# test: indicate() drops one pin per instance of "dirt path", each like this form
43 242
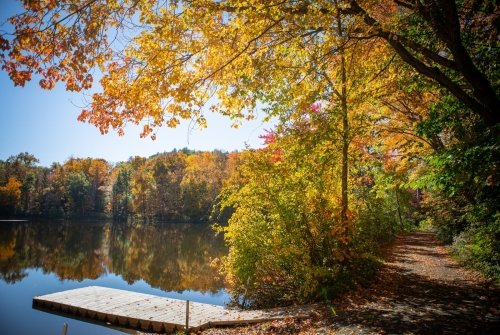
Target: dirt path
419 290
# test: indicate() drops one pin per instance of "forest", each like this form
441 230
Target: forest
177 186
388 119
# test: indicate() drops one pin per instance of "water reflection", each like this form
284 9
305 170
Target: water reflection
171 257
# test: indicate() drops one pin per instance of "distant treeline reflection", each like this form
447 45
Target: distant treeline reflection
172 257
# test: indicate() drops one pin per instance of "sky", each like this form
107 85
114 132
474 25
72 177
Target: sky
44 123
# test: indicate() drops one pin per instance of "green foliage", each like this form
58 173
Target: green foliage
287 243
122 196
273 256
479 246
78 187
462 187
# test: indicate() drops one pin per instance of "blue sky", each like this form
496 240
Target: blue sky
44 123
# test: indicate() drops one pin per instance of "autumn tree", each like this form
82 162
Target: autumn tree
10 194
54 199
78 188
98 172
201 183
168 171
306 199
287 240
142 191
23 168
185 52
121 197
89 176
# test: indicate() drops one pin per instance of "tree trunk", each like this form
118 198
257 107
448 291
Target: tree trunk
345 132
398 204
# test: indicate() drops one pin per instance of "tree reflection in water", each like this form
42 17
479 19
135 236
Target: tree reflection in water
171 257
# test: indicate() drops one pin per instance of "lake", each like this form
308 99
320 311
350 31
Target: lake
37 258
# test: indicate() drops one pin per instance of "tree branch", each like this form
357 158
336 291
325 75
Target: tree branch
484 102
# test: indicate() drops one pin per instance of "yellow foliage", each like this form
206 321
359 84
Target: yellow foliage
7 250
10 193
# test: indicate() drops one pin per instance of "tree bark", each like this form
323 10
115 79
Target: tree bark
345 131
444 21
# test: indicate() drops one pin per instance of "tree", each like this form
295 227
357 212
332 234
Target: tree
168 171
201 183
97 174
27 190
10 194
287 239
121 194
23 167
54 197
142 190
461 185
78 187
21 163
184 52
302 199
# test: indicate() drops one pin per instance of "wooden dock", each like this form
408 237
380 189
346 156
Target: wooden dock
148 312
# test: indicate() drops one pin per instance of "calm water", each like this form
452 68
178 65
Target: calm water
171 260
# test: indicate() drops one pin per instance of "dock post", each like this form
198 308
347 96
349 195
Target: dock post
65 329
187 316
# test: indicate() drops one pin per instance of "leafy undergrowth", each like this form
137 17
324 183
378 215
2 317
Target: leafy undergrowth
419 290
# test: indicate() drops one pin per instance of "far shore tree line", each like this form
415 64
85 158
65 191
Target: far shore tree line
172 186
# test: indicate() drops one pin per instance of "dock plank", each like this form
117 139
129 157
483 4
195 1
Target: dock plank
149 312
